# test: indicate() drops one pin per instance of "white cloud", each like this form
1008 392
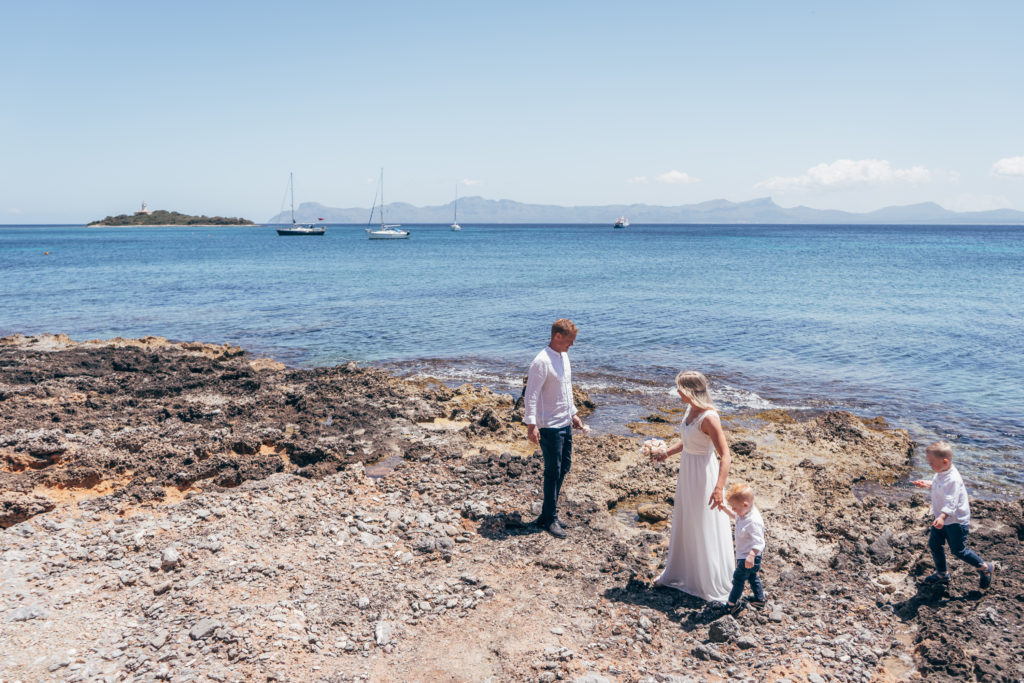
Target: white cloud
637 180
675 177
14 211
1012 166
848 173
469 183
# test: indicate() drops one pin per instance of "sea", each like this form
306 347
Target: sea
922 325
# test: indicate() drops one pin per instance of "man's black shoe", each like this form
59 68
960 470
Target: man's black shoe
555 530
561 523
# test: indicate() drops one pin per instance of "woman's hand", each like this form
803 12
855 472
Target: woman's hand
716 501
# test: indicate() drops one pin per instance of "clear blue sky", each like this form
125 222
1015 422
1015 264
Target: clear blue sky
205 107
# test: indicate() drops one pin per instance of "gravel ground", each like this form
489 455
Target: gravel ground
183 512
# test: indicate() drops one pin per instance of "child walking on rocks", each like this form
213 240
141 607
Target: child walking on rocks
952 514
749 545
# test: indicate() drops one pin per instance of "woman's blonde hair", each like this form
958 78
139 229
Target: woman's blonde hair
694 386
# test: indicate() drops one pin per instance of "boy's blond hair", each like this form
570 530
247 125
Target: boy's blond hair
694 386
941 449
740 490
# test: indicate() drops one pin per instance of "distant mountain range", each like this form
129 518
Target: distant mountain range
480 210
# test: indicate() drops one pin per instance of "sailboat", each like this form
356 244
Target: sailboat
299 228
386 232
455 218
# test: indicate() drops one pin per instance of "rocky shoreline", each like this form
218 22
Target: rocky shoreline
183 512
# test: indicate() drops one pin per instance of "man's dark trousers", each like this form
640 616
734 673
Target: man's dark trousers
556 445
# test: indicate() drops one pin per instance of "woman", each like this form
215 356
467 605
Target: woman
700 551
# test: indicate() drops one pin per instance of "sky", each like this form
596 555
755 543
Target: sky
206 107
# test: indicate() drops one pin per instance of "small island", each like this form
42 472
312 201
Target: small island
147 217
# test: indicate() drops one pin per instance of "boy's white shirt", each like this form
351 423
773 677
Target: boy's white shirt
749 533
949 495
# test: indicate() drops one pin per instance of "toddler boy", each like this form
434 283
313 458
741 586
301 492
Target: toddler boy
749 545
952 515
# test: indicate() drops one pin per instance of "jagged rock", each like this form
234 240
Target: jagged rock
710 653
204 628
654 512
724 630
27 613
169 559
881 550
16 507
382 633
746 642
743 447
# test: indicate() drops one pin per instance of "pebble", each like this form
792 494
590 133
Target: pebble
169 559
591 677
204 628
746 643
724 630
27 613
382 633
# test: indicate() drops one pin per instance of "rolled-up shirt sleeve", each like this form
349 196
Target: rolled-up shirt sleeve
534 382
757 538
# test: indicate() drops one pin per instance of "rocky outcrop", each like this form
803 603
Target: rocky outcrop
176 511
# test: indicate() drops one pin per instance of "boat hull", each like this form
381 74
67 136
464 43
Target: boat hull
387 234
288 232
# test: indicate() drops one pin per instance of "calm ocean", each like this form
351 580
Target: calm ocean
920 324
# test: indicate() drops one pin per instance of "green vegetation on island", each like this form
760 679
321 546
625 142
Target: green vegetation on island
167 218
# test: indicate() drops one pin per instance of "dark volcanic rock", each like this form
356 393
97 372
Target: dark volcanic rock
147 414
16 507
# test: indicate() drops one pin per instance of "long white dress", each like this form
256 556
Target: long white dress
700 552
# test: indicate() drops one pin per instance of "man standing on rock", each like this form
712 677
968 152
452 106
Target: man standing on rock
550 415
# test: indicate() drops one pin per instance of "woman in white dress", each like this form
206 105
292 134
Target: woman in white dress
700 552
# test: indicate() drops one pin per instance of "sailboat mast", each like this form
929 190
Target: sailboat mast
291 184
456 216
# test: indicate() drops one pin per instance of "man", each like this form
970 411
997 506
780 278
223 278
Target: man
550 415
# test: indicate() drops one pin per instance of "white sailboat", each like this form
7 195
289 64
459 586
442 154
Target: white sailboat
385 232
299 228
455 218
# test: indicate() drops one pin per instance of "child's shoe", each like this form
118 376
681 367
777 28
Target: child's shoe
985 576
737 608
937 578
758 604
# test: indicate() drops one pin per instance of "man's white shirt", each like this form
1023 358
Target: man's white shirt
548 399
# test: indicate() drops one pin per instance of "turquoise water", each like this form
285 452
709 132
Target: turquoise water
920 324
